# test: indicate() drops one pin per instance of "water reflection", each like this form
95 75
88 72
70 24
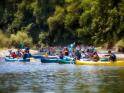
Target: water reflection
58 78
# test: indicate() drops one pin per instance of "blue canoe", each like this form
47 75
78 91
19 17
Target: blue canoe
9 59
65 60
49 60
41 56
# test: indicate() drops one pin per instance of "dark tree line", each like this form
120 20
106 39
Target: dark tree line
58 22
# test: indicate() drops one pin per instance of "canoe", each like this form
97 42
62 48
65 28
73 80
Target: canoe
60 61
104 63
63 61
52 57
56 60
67 60
9 59
40 56
48 60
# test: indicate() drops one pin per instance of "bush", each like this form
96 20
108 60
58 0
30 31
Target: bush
20 37
42 38
14 39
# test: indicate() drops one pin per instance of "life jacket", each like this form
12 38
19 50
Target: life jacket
61 56
27 55
113 56
13 55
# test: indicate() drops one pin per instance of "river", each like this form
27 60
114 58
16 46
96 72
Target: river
36 77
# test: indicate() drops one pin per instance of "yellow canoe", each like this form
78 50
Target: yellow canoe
117 63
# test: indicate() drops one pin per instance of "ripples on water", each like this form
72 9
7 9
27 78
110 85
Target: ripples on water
59 78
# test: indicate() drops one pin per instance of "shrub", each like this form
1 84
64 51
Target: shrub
20 37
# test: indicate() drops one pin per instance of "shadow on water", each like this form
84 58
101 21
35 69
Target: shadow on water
58 78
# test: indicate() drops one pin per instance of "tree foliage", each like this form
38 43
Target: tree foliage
57 22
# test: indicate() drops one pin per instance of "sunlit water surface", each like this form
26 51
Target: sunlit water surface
36 77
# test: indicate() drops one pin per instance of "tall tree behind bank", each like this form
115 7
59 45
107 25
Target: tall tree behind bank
88 21
27 15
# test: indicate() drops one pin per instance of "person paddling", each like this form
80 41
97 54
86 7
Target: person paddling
112 56
61 55
27 54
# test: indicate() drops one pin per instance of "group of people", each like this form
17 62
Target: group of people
85 53
75 52
78 53
20 53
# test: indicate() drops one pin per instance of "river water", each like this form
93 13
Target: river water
36 77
